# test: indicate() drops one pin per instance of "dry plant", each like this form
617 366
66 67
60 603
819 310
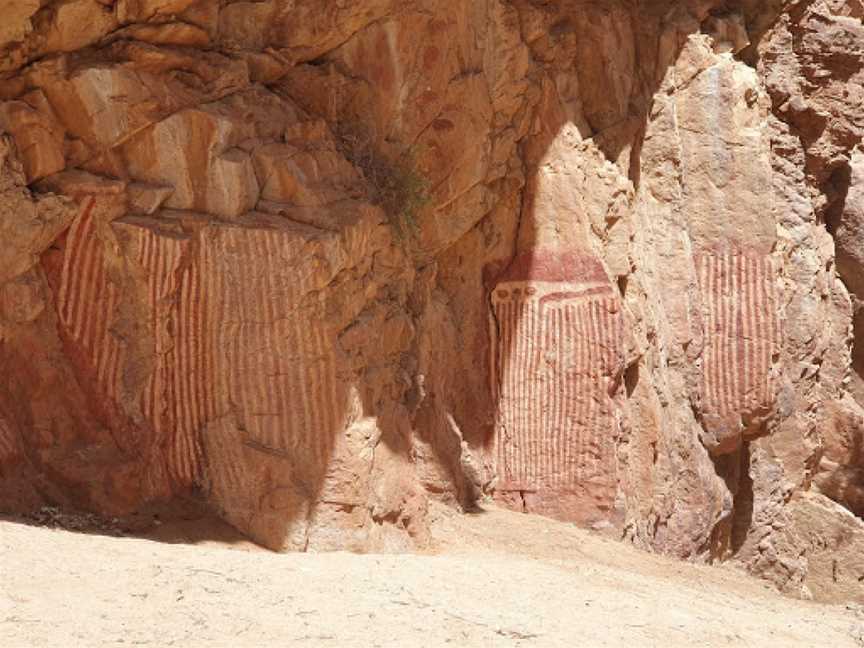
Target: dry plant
396 185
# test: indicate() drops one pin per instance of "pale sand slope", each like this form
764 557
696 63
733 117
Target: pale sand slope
500 579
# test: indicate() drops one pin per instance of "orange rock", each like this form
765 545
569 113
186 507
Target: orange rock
315 263
38 137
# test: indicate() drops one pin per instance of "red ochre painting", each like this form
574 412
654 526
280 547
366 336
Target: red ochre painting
556 332
742 332
226 336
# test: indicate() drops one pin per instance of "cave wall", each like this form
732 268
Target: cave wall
313 264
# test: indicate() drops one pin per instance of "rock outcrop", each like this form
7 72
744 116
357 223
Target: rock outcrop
310 264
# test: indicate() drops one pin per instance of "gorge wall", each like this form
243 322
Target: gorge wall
311 264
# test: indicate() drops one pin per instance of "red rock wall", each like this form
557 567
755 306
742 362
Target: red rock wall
310 265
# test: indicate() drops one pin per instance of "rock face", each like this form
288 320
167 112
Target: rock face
556 343
310 265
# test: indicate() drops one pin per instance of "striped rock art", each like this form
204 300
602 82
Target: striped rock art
232 332
273 374
556 330
742 334
86 302
174 401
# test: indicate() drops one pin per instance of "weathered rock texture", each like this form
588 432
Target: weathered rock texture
312 263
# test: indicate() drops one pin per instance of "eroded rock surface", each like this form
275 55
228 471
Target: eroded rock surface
311 264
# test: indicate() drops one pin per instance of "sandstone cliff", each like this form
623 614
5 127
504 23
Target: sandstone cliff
313 263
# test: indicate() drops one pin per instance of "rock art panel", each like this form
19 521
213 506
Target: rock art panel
88 303
742 330
175 399
557 339
85 302
279 404
230 334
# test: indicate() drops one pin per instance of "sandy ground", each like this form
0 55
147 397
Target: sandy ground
496 579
